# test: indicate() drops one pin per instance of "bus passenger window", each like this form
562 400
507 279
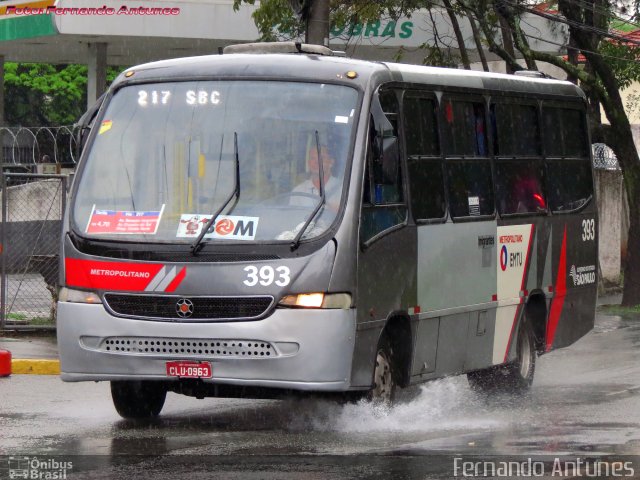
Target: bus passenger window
421 128
574 133
426 181
464 130
470 188
516 130
573 194
519 184
565 132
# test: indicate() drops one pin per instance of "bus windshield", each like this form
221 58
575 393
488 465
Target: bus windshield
165 156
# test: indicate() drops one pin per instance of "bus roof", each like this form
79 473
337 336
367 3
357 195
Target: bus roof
301 67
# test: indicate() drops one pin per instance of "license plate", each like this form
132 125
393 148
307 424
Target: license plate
189 369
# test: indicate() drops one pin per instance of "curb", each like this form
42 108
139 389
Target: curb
35 366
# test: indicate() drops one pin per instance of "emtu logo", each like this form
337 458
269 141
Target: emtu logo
504 255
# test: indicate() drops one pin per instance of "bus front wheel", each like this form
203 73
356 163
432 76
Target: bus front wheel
385 378
514 377
138 399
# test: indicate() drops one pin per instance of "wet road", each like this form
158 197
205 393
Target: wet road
585 401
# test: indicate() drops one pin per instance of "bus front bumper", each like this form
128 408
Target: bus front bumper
295 349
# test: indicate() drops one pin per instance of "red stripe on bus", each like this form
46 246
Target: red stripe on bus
526 262
525 270
176 281
109 275
557 303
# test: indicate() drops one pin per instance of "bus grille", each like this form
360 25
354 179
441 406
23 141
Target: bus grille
188 347
204 308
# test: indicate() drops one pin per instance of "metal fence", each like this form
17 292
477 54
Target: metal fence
32 210
25 147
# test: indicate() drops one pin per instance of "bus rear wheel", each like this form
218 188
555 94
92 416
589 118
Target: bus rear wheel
385 378
138 399
515 377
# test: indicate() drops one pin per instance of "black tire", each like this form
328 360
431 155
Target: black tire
385 374
138 399
515 377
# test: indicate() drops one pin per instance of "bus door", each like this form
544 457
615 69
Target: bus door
387 250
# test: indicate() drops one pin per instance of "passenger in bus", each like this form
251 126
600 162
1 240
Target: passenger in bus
528 196
311 186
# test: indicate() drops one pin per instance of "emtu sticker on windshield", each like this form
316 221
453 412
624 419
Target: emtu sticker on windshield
227 227
105 126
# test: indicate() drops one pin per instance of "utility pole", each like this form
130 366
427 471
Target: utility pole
317 30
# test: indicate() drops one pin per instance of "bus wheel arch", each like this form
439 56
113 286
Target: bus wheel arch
392 360
517 375
536 314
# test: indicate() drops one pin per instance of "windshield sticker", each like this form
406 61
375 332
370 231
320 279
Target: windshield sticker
229 227
341 119
105 127
124 222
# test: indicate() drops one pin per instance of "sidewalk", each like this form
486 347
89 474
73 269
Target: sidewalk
32 353
610 299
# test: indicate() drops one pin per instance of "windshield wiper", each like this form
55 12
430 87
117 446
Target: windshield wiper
198 244
296 241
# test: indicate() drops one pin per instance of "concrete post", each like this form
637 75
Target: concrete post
609 191
97 76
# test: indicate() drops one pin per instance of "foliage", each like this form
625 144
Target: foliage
39 94
624 61
620 310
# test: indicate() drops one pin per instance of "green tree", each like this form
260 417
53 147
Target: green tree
39 94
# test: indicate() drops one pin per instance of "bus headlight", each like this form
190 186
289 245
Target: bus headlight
77 296
317 300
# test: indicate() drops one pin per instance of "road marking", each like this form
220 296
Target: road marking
626 390
35 366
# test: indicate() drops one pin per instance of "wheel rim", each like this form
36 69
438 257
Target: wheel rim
382 378
524 354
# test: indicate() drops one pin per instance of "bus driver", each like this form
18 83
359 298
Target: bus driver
311 186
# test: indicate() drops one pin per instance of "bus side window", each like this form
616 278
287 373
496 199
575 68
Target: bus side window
569 195
519 186
519 168
468 169
464 131
426 182
567 157
383 196
470 188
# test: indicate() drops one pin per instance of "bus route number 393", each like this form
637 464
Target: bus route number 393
267 275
